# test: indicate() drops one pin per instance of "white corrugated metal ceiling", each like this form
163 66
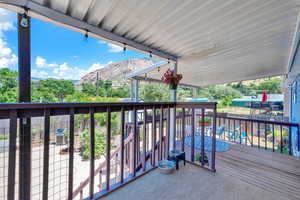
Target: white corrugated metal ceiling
214 41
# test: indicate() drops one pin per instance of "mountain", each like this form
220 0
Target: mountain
38 79
116 71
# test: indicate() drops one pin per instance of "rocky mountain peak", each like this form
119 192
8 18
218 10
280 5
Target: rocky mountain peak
116 71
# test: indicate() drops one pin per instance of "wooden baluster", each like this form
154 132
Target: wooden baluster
224 123
246 131
108 138
13 120
144 139
193 136
228 131
92 151
168 132
81 194
213 154
251 133
258 129
134 141
241 131
71 153
202 136
138 145
153 135
116 168
234 131
161 133
183 130
298 131
265 136
273 137
100 180
290 140
281 139
122 143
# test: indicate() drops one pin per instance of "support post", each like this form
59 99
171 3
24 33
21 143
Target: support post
194 93
24 96
173 98
136 92
97 84
130 114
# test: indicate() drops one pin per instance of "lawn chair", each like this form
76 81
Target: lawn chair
238 135
219 132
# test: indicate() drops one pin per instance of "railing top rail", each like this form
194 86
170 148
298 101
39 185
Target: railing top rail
208 105
8 106
261 121
37 109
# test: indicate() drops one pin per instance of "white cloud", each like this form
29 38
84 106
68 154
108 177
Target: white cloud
42 63
97 66
101 42
114 48
7 19
39 74
7 58
64 71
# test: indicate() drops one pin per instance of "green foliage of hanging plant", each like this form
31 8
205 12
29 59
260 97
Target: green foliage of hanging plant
99 144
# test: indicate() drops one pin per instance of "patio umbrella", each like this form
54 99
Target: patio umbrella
264 97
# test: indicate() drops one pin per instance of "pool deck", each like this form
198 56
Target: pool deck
242 173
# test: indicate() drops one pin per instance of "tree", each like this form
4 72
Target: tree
42 94
154 92
100 118
219 92
8 86
250 88
105 89
89 89
272 85
184 93
59 88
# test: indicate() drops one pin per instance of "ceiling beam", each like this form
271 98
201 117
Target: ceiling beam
58 18
159 81
147 69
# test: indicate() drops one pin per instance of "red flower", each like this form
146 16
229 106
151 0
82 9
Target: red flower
170 78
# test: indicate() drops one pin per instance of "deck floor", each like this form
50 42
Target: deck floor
242 173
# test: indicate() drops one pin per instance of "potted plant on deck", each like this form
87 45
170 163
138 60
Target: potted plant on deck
206 122
171 78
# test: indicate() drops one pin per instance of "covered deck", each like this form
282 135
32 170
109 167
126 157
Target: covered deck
209 43
242 173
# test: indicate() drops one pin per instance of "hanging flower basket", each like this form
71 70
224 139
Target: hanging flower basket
171 78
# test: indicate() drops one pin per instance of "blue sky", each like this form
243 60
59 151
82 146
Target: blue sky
57 52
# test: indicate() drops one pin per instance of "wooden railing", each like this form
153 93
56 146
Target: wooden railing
266 134
138 152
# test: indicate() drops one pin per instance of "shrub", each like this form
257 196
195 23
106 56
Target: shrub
3 137
99 144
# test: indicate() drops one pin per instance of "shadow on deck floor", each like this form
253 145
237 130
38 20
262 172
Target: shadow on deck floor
242 173
190 183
